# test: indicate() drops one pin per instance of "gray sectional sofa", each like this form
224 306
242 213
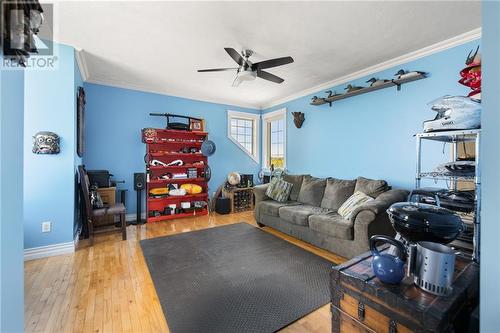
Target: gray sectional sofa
311 215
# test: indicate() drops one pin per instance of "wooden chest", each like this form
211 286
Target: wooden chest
362 303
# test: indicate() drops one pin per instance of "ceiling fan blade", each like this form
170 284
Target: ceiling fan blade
217 69
272 63
268 76
235 55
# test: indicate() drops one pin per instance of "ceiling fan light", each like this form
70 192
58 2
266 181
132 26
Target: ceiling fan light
246 75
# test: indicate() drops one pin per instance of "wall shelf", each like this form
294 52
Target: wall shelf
392 83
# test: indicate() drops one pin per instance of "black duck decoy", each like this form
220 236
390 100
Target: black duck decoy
351 88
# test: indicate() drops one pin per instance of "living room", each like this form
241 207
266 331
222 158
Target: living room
249 166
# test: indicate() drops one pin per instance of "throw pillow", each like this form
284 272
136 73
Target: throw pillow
337 191
279 189
296 180
354 201
312 190
371 187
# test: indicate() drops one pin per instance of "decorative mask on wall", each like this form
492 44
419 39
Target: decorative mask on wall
298 119
46 143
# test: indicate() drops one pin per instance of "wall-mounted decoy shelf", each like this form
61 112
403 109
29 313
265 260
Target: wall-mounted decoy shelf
391 83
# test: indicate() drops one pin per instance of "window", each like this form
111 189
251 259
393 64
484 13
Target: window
243 130
277 143
274 139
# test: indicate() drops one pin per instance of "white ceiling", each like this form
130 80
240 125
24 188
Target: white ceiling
158 46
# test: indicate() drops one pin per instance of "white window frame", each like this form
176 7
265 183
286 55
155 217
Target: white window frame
266 120
255 118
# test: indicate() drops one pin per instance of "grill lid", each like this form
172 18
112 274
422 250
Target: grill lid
424 222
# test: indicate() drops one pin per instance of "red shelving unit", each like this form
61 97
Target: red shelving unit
165 146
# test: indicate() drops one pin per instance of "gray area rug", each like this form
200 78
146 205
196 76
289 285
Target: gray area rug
234 278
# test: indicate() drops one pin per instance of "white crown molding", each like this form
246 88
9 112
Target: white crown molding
49 251
133 86
82 64
438 47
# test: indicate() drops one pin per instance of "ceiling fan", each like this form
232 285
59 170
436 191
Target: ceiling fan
248 71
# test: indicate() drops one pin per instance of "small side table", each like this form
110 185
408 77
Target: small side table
241 198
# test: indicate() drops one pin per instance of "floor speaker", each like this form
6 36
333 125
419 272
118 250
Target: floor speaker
139 186
139 181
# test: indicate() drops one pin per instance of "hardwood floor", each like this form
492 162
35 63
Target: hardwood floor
107 287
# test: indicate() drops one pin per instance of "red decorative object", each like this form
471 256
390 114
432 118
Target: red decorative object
471 75
167 146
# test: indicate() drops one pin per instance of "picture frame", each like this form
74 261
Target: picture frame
196 125
80 122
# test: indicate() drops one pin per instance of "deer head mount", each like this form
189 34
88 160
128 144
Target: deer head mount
298 119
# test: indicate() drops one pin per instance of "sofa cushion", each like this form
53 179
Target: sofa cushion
337 191
332 224
371 187
311 191
298 214
296 180
271 207
356 200
279 190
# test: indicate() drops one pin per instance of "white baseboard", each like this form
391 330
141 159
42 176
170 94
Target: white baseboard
49 251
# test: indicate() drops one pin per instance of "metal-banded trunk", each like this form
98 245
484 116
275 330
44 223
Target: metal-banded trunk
362 303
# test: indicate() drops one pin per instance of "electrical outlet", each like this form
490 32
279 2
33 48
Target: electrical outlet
46 226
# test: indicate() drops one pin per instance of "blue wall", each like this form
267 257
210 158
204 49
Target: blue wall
115 116
490 166
372 134
11 201
50 105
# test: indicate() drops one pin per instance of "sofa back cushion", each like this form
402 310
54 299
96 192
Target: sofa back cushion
371 187
337 191
312 190
296 180
279 189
